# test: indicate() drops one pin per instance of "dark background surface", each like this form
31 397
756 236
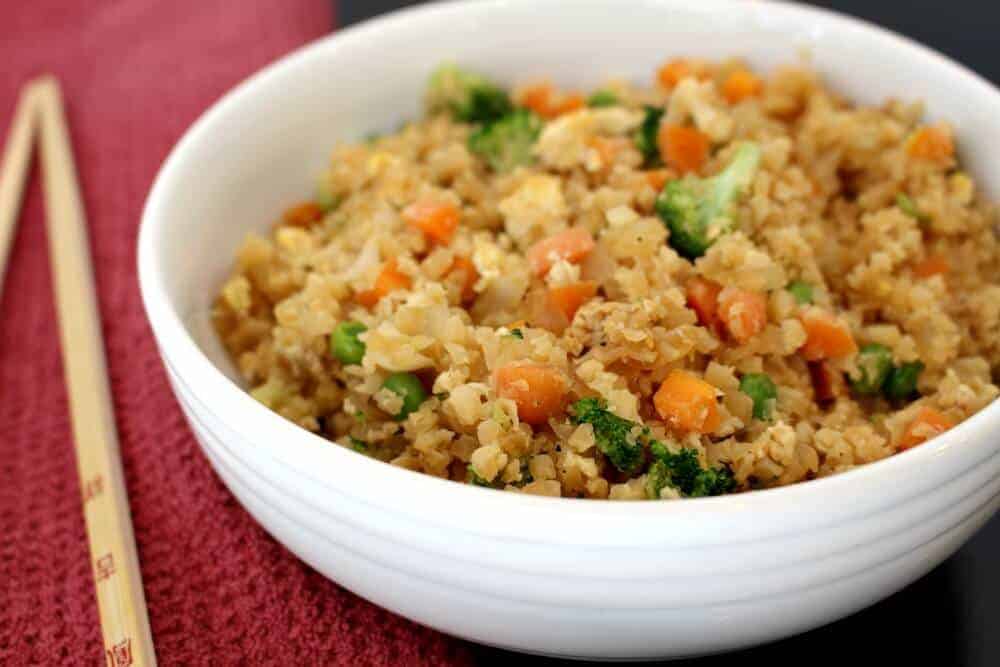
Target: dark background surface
951 616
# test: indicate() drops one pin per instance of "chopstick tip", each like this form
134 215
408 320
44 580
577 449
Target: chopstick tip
43 84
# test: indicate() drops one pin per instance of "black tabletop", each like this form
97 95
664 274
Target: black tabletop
951 617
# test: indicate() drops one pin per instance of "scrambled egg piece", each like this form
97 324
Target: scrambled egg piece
564 142
535 210
699 101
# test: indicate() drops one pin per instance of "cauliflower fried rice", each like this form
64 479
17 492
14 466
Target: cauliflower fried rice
718 282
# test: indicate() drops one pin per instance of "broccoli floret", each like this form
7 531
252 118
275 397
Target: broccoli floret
622 441
472 477
698 210
469 96
657 478
683 471
615 436
506 143
645 136
526 476
602 98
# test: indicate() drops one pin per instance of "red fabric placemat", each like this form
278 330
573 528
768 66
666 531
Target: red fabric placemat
220 591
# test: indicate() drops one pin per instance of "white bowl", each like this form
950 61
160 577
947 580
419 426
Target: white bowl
554 576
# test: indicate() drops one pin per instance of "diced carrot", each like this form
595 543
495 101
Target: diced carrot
537 98
703 298
367 298
568 298
543 100
826 336
671 73
389 279
607 149
687 402
599 265
538 390
541 313
928 423
931 142
303 214
569 102
740 85
828 383
657 178
571 245
817 188
438 220
465 266
933 265
743 312
681 147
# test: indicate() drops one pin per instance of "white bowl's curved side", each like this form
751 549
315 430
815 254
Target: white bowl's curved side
689 576
524 572
661 616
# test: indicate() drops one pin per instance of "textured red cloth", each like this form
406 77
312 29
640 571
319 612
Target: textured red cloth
220 591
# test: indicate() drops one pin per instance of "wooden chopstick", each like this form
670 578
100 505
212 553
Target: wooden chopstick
120 600
14 171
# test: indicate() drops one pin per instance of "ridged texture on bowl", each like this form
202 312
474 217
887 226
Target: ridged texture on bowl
599 601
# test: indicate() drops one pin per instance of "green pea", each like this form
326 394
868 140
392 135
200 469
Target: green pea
802 291
902 381
409 388
326 199
875 364
760 387
344 343
602 98
909 207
